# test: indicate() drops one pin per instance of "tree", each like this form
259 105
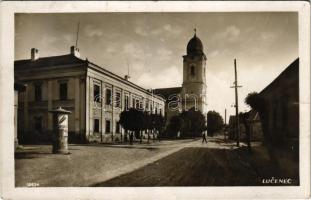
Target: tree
174 126
159 123
147 124
132 120
193 123
255 101
214 122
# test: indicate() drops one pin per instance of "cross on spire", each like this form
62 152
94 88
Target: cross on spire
195 32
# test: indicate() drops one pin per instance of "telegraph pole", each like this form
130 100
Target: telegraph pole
225 131
236 86
225 116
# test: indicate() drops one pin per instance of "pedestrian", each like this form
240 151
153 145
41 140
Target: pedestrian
204 137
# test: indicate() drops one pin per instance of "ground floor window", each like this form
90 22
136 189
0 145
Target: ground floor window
38 123
107 126
96 125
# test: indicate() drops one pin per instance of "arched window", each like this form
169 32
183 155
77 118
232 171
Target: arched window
192 71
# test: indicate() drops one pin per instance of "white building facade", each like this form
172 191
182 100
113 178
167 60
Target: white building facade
94 95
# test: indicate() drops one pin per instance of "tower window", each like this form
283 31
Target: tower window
192 70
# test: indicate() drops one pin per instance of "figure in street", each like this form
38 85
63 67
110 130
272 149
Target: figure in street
204 137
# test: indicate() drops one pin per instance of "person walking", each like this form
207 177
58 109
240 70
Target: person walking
204 137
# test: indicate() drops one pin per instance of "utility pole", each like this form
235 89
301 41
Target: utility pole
236 86
225 129
225 116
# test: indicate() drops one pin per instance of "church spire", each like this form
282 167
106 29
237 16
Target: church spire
195 32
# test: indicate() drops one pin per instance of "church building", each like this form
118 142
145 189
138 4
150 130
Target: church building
192 93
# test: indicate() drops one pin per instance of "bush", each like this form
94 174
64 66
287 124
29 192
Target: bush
214 122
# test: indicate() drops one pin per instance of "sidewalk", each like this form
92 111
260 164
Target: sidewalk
87 164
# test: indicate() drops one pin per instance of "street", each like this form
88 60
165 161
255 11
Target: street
166 163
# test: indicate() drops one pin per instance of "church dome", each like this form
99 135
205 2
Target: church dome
195 46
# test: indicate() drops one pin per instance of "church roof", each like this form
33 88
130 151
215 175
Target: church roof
195 46
166 92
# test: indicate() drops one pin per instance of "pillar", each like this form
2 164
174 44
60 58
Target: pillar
15 117
87 109
50 106
60 131
77 106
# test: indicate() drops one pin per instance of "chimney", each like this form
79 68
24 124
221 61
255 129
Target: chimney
34 54
75 51
127 77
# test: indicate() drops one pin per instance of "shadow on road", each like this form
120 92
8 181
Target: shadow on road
205 167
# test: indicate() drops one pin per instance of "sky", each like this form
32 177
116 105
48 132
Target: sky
152 45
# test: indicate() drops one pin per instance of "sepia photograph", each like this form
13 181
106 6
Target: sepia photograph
159 100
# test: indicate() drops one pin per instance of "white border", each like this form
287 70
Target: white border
7 10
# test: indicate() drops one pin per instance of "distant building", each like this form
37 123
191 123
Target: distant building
94 95
255 126
255 129
192 93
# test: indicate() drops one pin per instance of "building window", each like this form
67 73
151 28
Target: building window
107 126
117 127
141 105
38 123
38 92
108 96
137 104
118 99
147 105
96 93
133 103
63 91
126 102
192 71
96 125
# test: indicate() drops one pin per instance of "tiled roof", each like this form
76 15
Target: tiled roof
48 62
69 59
166 92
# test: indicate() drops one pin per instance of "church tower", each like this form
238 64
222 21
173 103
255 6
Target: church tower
193 92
